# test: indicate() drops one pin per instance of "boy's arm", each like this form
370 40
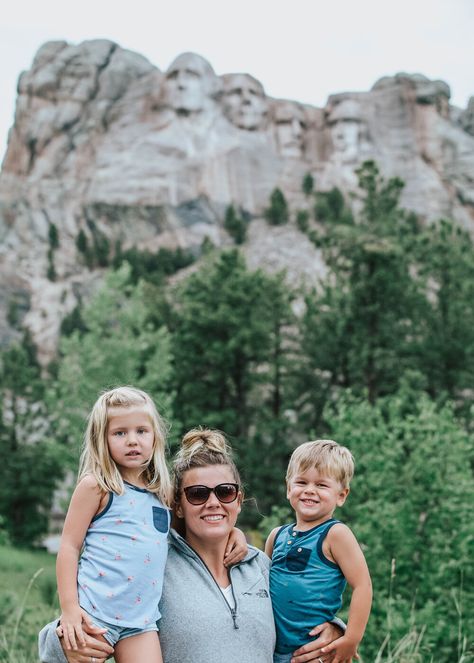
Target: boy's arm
84 505
347 553
270 541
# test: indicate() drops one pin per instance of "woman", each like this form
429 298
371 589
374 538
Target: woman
209 613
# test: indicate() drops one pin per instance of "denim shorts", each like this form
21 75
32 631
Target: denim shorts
282 658
116 633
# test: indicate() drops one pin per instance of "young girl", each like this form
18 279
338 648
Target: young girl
119 518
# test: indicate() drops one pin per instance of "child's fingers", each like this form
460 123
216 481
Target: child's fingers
94 630
87 621
72 637
69 639
80 636
230 558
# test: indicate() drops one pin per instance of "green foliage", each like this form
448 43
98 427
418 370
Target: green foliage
410 502
53 236
330 206
4 538
121 344
445 260
95 250
34 467
307 185
230 348
278 516
277 212
302 220
51 271
73 322
53 241
207 246
381 360
152 267
100 245
235 225
82 245
24 606
13 315
362 331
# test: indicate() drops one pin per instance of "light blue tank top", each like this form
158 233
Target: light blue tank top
120 575
306 587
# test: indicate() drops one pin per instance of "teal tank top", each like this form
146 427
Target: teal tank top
306 588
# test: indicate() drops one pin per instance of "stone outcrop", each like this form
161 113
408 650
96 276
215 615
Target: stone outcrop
104 141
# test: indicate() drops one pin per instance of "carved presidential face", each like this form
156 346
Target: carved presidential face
244 100
290 125
346 127
191 84
345 138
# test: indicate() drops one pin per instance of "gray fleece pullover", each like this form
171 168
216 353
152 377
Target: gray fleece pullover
197 624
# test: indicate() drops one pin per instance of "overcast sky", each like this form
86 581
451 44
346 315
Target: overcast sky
303 49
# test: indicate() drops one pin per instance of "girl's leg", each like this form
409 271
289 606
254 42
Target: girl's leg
142 647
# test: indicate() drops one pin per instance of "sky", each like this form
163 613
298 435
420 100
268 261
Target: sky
303 49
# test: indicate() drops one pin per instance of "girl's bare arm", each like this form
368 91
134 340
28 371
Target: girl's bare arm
85 503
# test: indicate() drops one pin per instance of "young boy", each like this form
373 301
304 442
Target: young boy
313 559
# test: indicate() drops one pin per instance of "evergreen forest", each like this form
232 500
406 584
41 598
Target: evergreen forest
380 358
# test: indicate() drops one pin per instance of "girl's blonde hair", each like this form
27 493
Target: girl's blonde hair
201 447
96 459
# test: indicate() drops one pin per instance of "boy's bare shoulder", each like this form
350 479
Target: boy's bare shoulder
341 533
271 540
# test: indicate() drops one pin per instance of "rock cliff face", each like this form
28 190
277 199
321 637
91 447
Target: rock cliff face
104 140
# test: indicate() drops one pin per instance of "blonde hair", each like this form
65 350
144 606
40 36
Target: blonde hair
201 447
325 456
96 459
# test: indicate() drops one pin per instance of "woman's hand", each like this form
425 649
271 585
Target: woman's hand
314 650
92 649
236 547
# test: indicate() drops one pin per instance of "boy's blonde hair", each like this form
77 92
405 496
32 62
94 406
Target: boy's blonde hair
324 455
96 459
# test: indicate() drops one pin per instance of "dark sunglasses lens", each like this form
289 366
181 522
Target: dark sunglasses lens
226 492
197 494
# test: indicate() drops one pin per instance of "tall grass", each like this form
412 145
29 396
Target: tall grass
27 602
412 648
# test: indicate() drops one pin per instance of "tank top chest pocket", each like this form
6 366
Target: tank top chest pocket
297 559
161 519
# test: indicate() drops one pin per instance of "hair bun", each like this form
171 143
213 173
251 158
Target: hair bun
203 439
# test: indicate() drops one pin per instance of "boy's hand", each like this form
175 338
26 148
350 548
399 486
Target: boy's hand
344 650
71 623
236 548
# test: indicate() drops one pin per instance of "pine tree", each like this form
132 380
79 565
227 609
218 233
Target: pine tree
34 461
277 212
308 184
235 225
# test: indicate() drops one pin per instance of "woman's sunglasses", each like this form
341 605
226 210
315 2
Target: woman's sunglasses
225 493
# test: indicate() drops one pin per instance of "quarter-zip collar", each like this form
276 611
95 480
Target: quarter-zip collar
181 544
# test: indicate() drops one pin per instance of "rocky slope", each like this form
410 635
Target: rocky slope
106 143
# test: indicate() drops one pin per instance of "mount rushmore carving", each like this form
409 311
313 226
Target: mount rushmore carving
154 158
